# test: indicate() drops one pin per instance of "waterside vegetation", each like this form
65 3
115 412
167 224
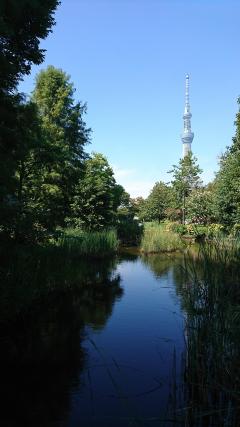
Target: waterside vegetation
77 242
211 297
157 239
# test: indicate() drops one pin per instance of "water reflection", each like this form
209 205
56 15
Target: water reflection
41 353
211 296
166 354
207 285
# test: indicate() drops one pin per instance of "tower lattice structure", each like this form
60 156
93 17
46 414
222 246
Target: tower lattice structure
187 135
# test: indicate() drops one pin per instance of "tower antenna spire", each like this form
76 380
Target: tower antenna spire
187 135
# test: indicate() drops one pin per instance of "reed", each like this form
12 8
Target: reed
89 243
211 297
156 239
32 276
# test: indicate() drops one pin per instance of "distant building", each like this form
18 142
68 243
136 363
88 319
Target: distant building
187 135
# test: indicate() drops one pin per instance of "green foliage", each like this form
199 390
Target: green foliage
32 278
129 231
23 24
156 239
210 294
236 230
215 230
200 206
196 230
227 195
16 215
236 139
98 244
186 176
62 155
128 207
173 214
97 196
158 201
175 227
227 182
142 210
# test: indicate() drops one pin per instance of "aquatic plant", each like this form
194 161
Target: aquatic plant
210 293
157 239
88 243
30 277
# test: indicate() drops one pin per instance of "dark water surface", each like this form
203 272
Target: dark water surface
112 353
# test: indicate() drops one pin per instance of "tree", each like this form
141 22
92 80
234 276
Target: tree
158 201
97 196
23 23
185 179
65 136
15 210
227 194
236 139
200 206
227 182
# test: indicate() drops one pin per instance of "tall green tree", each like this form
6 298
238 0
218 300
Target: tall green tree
236 139
63 153
97 197
185 178
227 182
159 199
23 23
227 193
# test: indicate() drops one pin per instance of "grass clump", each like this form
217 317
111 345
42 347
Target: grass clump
89 243
157 239
211 298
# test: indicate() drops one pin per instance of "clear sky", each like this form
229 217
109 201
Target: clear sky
128 60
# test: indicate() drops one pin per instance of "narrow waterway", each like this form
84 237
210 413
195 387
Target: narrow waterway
113 355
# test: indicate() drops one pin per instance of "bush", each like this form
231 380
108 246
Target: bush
197 231
215 230
175 227
129 231
235 230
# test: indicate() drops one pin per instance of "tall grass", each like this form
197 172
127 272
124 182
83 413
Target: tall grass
33 276
211 298
89 243
157 239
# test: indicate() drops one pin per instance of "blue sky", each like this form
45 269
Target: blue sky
128 60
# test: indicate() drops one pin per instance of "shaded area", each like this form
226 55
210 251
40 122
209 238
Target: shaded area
208 284
44 311
168 356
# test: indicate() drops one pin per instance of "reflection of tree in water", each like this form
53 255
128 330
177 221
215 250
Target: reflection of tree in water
160 264
209 286
41 355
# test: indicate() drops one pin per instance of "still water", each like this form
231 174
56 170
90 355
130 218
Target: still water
111 354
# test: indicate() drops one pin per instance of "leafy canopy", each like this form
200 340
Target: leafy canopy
97 196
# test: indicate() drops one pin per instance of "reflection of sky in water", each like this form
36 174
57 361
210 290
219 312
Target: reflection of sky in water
100 354
130 361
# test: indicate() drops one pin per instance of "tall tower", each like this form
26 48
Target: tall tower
187 135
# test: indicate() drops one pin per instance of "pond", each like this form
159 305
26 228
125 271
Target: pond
113 353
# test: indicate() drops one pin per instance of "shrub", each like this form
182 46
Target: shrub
235 230
129 231
215 230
